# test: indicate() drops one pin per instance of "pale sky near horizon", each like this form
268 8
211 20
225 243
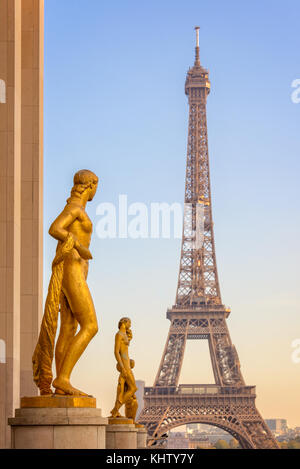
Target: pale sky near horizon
115 104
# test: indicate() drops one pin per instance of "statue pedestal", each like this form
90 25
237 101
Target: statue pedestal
64 424
121 433
141 436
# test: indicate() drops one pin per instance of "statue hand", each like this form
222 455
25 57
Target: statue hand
124 373
84 252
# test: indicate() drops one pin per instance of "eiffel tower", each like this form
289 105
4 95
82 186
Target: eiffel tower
199 313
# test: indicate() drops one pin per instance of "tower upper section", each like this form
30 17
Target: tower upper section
198 284
197 80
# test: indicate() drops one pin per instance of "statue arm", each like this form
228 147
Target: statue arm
129 334
118 357
58 230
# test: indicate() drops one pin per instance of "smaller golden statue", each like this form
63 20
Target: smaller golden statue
126 384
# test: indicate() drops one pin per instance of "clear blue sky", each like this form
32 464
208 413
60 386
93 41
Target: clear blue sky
115 104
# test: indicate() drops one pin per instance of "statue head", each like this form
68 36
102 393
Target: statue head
126 322
85 180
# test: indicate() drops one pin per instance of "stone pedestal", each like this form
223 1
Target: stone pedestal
121 433
141 436
58 428
57 401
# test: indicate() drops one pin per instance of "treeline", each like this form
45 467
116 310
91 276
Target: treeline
290 444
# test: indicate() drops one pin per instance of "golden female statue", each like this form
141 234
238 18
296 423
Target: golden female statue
126 384
68 292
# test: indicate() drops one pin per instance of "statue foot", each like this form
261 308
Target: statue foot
115 414
46 393
64 387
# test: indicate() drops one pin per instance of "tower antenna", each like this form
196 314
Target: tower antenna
197 57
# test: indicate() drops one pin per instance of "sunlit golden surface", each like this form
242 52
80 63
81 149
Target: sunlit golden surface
68 293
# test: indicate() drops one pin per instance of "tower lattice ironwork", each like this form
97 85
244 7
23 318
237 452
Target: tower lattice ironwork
199 313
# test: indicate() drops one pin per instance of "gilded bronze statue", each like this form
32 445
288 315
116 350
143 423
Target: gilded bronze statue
68 293
126 383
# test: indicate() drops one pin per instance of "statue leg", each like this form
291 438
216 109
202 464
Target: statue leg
79 298
131 408
131 387
68 328
119 399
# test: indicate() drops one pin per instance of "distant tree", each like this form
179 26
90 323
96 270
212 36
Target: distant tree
222 444
233 444
293 444
283 445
